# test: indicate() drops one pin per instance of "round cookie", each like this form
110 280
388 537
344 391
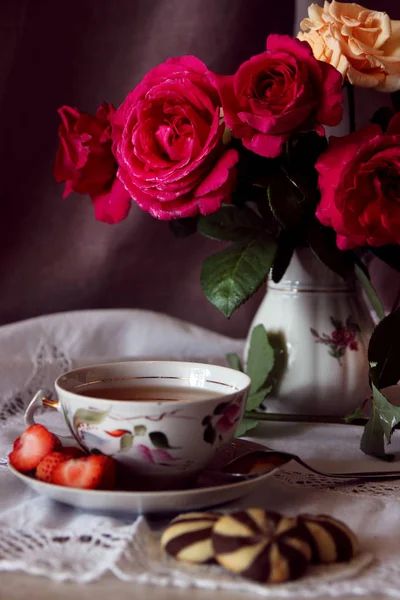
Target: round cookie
330 540
188 537
260 545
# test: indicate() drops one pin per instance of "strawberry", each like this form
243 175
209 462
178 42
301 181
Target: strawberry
31 448
72 452
44 470
85 473
109 479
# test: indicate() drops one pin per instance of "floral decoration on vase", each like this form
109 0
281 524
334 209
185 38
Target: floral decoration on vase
343 337
244 159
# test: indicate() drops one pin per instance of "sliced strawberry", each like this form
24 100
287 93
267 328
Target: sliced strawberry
32 447
85 473
44 470
72 452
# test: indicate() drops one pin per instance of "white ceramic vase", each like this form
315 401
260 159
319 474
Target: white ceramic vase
320 328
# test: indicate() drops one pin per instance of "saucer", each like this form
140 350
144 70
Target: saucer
204 494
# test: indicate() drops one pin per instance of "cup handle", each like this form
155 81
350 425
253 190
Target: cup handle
38 401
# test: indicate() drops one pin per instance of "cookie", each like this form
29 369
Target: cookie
188 537
262 546
330 540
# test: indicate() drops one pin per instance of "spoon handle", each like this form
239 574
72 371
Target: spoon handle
350 475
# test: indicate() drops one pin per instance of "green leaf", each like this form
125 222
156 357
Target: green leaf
286 200
260 359
160 440
255 400
389 415
244 426
384 351
230 277
234 361
230 224
357 413
322 241
372 437
373 297
384 417
126 442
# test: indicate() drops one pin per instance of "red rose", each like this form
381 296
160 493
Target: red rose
168 139
359 180
86 163
279 92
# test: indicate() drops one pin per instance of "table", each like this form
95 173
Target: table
39 348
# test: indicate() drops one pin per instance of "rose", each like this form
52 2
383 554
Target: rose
279 92
168 136
364 45
86 163
359 180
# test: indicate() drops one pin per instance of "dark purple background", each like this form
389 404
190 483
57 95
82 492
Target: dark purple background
54 255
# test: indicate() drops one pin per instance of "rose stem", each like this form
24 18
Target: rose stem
288 418
352 107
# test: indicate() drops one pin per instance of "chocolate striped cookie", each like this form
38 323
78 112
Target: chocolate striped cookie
330 540
260 545
188 537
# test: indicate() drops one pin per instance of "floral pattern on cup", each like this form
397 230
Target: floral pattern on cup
343 337
225 417
115 441
156 456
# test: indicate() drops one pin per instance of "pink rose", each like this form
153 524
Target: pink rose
168 135
359 177
86 163
279 92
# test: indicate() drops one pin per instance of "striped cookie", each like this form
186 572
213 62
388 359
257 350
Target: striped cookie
188 537
330 540
260 545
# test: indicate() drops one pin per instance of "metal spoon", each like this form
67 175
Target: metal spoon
255 463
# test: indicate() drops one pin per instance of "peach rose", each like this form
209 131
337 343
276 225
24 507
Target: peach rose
364 45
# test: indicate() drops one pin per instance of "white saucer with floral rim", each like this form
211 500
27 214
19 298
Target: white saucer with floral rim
202 495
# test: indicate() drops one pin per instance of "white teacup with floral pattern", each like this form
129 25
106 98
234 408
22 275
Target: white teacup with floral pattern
185 412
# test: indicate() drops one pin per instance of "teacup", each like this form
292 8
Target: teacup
164 420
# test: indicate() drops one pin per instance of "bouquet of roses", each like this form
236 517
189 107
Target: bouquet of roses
244 159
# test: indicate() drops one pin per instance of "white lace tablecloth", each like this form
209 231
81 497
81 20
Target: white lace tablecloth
40 537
